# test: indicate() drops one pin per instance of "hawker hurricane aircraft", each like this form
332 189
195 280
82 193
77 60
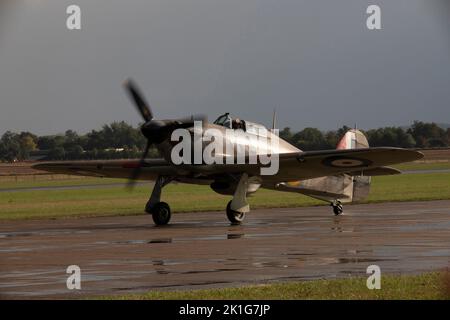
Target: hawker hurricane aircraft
335 176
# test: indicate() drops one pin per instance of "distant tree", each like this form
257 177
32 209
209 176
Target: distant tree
50 142
405 140
10 147
95 140
390 136
115 135
75 152
71 135
331 139
29 135
427 134
45 143
435 143
27 143
309 139
57 153
286 134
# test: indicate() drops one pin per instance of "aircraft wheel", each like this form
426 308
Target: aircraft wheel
161 213
235 217
338 208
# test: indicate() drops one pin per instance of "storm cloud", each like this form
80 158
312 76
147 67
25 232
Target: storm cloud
314 61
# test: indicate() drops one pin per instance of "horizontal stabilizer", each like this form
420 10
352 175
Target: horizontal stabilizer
309 192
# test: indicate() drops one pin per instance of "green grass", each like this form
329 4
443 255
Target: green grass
414 166
109 201
424 286
41 182
410 187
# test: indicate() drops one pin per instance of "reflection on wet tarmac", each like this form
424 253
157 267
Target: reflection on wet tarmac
126 254
235 235
167 240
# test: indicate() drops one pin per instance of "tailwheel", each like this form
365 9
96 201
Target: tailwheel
160 213
338 209
235 217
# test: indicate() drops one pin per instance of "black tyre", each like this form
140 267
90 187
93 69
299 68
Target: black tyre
161 213
235 217
338 209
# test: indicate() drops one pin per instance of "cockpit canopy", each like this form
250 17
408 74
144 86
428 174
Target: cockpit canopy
227 121
224 120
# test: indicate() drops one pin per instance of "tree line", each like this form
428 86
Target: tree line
418 135
117 140
120 140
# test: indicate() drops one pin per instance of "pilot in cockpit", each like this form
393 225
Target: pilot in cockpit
226 121
237 124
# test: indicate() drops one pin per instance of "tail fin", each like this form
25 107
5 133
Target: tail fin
345 187
353 139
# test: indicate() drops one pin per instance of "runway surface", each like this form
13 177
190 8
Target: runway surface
120 255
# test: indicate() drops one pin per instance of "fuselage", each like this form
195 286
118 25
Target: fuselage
255 139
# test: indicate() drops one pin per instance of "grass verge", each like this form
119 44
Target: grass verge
415 166
424 286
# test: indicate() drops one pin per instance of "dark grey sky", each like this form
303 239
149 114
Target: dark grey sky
314 60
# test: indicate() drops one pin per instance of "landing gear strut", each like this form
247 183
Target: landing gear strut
160 211
337 207
237 207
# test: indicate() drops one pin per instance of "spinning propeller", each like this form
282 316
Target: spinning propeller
156 131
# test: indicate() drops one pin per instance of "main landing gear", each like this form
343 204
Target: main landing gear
238 207
160 211
338 209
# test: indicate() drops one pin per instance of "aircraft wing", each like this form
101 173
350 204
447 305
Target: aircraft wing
292 166
109 168
313 164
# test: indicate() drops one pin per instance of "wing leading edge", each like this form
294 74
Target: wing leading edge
108 168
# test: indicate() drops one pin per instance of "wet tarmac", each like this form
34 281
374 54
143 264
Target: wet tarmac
121 255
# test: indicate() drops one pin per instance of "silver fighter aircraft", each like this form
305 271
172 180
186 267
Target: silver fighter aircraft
336 176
